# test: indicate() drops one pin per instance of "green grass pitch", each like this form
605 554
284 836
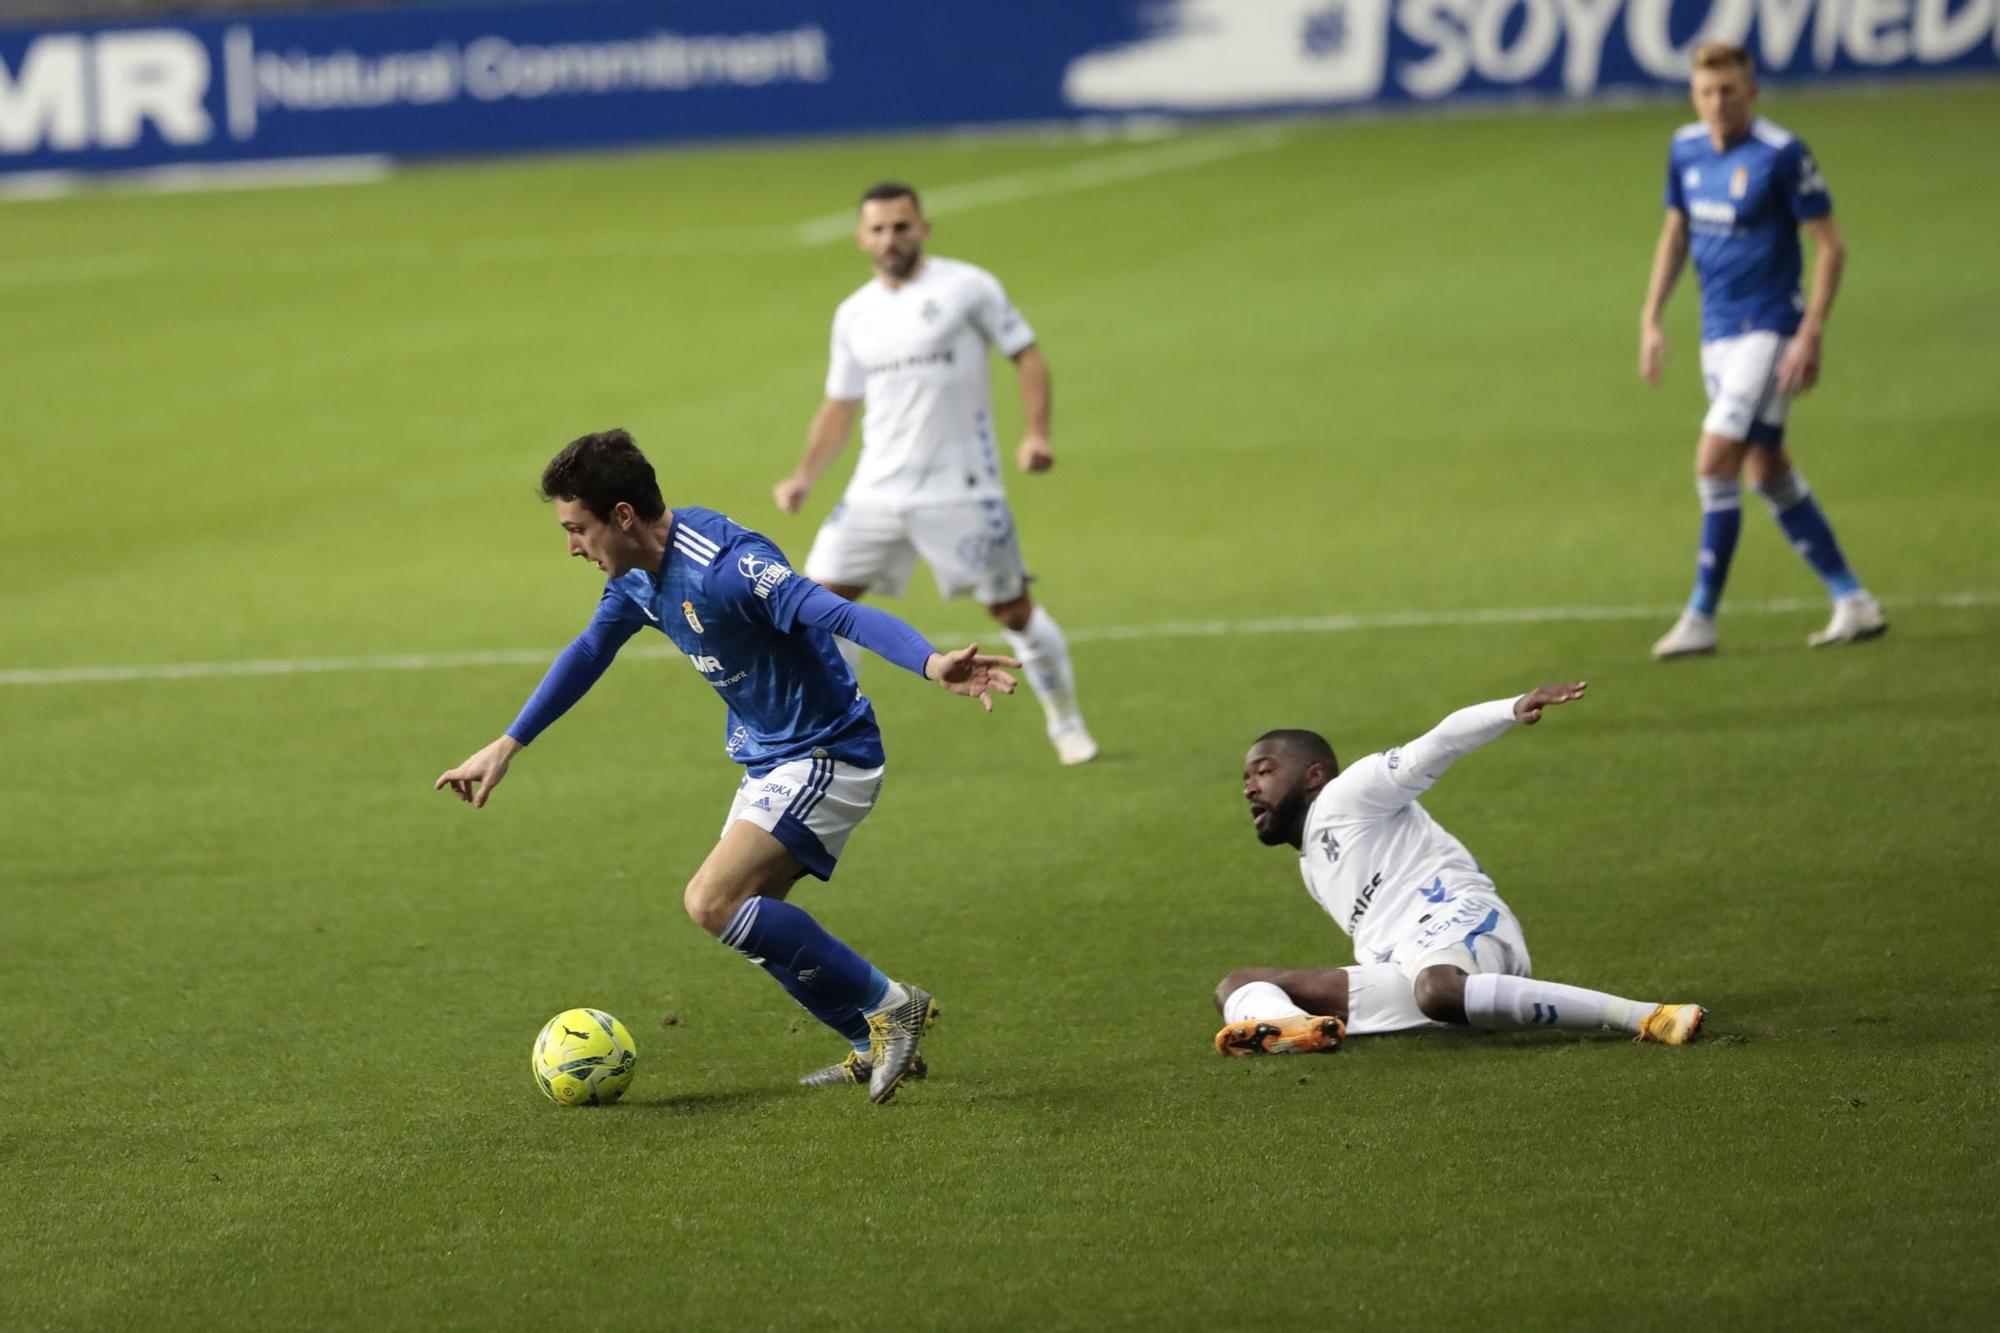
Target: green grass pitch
268 1000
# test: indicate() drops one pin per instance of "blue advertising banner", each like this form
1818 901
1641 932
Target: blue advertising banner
421 81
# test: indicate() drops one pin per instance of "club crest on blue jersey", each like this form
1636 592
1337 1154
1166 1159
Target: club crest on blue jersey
693 620
1739 183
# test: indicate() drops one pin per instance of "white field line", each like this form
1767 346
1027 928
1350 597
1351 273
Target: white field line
1179 155
184 178
1171 629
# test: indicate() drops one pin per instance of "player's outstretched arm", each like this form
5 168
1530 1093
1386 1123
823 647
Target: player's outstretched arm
475 779
893 639
569 678
1424 760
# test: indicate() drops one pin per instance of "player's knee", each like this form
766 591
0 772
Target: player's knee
1440 994
1781 491
1232 983
1016 614
1718 456
710 903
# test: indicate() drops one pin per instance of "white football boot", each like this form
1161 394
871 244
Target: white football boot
1856 617
1073 743
1693 633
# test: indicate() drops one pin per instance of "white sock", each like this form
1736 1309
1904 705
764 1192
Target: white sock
850 653
1259 999
1044 654
1507 1004
891 998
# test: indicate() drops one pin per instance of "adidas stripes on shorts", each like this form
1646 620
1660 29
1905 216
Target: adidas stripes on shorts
811 805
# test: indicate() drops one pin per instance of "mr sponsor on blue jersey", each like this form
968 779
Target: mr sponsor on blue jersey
1744 204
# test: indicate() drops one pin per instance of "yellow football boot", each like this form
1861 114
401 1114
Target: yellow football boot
1299 1035
1672 1024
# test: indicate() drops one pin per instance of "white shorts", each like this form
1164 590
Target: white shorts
810 805
971 548
1741 373
1473 934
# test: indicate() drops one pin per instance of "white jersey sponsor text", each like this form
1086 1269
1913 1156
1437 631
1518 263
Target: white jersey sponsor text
917 354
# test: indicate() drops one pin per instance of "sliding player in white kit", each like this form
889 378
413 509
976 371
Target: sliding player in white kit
1433 942
912 344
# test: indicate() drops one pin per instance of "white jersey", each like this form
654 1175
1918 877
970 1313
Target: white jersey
917 354
1373 858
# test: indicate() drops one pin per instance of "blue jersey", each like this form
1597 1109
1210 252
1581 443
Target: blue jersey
729 601
1744 206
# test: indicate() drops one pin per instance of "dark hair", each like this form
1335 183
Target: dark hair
886 190
600 470
1309 745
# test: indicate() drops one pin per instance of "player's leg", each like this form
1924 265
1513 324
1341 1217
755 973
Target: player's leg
1856 615
1735 371
792 822
859 549
1038 641
974 548
1277 1010
1476 972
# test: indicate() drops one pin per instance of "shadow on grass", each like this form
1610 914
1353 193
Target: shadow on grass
710 1103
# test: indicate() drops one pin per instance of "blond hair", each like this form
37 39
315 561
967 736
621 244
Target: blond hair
1725 55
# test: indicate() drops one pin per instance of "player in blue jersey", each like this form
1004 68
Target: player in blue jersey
804 733
1739 191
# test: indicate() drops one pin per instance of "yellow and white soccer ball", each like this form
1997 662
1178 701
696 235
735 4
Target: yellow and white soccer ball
584 1057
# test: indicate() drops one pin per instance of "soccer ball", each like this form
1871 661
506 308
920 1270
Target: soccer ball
584 1057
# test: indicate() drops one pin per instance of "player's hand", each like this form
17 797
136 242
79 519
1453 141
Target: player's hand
971 673
1652 353
475 779
1528 708
791 493
1034 455
1799 370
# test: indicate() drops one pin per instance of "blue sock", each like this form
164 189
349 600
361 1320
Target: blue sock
845 1019
1721 522
1809 533
829 975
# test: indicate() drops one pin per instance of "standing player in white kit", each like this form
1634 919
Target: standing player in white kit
1433 942
913 344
